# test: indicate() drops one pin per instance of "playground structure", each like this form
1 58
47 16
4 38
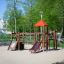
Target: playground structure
44 38
18 45
43 41
43 34
41 38
17 40
54 39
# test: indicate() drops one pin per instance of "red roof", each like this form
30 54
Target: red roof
41 23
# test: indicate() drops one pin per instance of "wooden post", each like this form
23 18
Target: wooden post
47 39
55 40
18 39
43 38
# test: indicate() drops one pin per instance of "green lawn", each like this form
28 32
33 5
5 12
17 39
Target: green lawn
58 44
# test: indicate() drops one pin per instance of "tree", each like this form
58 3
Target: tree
13 16
51 11
52 14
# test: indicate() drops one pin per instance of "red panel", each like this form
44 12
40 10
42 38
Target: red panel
41 23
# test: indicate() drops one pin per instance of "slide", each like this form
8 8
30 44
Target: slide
35 47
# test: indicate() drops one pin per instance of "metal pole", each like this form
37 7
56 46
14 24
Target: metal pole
41 14
15 24
42 32
15 15
41 19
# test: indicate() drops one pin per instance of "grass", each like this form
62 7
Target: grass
59 44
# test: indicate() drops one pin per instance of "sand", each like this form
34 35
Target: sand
26 57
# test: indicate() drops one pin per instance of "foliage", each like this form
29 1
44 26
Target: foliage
53 14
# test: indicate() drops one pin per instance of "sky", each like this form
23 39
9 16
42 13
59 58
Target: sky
2 11
2 8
